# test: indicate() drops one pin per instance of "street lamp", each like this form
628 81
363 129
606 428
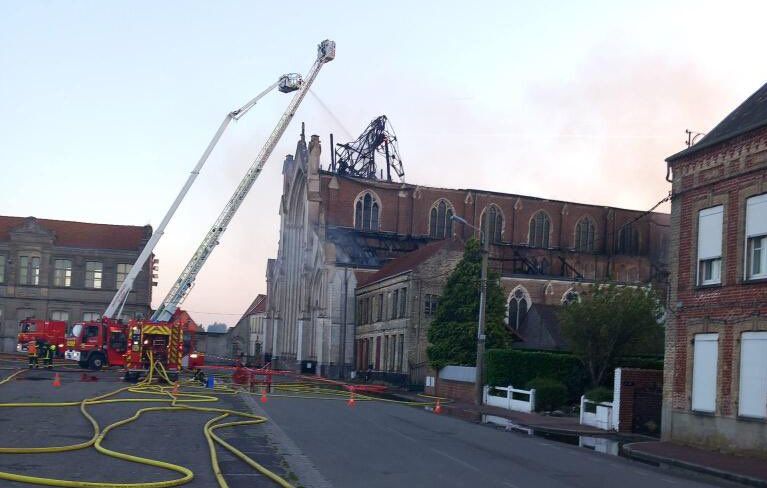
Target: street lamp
482 300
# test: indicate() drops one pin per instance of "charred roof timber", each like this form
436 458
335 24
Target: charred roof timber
357 158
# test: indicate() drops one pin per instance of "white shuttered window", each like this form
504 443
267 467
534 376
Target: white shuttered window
753 375
756 237
710 245
704 366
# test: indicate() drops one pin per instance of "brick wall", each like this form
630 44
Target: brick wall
405 208
724 174
637 392
455 390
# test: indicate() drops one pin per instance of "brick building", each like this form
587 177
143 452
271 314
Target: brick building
335 229
715 388
60 270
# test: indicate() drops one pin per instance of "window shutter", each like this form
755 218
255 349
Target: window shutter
753 375
704 367
710 232
756 215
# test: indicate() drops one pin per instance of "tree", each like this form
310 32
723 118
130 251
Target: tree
453 332
218 327
611 322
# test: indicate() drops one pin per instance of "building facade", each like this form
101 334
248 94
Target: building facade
715 388
394 308
69 271
249 334
336 229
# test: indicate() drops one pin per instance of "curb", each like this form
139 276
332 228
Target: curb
728 475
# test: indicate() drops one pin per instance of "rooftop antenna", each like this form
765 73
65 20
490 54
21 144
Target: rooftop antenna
692 136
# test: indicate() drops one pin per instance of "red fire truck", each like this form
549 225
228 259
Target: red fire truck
97 344
43 331
161 342
162 337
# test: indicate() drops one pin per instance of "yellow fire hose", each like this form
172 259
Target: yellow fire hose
178 402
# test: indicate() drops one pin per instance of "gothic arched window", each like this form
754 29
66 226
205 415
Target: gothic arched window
584 235
441 220
495 221
628 240
539 230
518 306
366 212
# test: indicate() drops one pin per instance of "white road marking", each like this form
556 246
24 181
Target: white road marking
455 459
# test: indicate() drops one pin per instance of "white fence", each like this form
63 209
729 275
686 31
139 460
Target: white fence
601 418
507 400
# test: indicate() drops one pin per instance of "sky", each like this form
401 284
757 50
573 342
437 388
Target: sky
105 107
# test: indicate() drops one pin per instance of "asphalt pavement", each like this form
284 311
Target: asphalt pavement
377 444
175 437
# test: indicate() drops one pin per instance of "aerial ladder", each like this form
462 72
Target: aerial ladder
100 349
286 83
326 52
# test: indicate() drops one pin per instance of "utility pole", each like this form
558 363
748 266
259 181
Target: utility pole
479 370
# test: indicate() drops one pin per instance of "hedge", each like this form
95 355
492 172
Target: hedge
549 394
518 367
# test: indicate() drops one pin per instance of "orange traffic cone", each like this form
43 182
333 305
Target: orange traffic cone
56 380
263 396
438 408
351 400
175 389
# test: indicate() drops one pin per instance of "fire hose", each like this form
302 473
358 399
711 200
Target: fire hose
179 402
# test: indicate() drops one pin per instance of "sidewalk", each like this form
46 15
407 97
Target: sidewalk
473 413
747 470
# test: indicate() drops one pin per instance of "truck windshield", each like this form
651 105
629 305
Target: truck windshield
27 327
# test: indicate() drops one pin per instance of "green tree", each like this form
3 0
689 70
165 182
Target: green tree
610 322
453 332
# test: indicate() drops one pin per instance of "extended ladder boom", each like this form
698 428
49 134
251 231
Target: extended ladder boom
286 83
325 53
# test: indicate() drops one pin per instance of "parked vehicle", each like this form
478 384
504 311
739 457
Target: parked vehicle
44 332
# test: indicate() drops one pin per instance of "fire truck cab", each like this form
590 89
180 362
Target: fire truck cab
43 331
97 344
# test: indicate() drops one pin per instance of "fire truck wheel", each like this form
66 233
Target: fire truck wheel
96 362
131 377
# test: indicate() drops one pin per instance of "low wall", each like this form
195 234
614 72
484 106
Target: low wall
638 396
454 382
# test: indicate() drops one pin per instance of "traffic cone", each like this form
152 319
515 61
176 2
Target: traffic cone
175 388
263 396
56 380
351 401
438 408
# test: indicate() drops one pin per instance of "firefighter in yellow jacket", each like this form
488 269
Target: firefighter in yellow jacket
49 352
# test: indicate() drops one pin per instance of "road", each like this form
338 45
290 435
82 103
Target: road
175 437
389 445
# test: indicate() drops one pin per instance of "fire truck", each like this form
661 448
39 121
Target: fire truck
43 331
161 337
97 344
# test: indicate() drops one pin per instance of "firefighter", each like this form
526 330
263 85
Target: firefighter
32 354
50 351
199 376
